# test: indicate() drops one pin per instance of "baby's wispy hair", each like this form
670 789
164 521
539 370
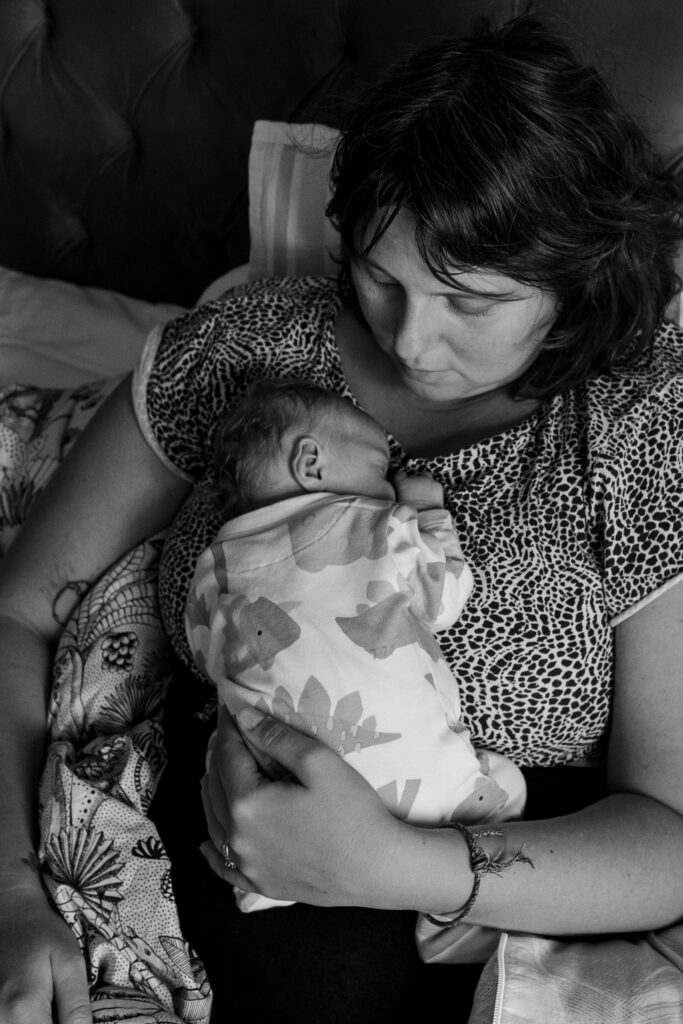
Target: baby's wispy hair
250 435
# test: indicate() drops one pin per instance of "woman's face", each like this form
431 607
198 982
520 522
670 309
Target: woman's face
447 343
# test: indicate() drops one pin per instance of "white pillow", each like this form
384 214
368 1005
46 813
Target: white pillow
289 167
55 334
238 275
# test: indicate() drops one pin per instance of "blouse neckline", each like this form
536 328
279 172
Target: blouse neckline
465 459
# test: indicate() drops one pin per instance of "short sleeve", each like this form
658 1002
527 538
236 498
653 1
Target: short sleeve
192 368
639 489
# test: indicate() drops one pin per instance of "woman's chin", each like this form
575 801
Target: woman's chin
436 386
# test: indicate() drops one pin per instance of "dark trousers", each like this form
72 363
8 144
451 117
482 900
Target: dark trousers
303 964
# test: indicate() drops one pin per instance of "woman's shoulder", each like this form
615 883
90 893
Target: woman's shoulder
252 325
660 368
634 463
631 417
267 300
647 398
254 308
191 368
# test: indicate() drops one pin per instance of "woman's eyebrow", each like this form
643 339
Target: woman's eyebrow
475 294
471 293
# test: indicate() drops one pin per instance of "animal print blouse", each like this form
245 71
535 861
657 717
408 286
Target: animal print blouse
570 521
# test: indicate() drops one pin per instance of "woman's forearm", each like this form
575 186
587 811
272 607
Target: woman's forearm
321 835
24 673
615 866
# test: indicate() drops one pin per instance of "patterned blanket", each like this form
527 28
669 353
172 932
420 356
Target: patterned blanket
104 865
38 426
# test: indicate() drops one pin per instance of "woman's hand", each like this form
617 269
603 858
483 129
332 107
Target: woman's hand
314 831
42 971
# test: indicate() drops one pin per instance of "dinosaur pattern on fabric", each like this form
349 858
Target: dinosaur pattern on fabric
354 588
340 725
313 550
256 632
383 627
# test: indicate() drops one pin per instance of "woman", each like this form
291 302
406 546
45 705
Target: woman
510 241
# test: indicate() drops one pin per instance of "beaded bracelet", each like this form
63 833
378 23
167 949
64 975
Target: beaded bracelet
481 864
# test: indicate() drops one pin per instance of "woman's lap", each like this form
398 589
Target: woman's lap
297 964
303 964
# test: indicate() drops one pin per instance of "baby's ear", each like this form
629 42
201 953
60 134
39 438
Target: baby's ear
306 463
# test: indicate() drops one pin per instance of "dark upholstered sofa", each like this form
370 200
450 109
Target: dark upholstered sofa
125 124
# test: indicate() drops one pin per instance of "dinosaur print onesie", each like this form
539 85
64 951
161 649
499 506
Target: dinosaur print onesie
320 609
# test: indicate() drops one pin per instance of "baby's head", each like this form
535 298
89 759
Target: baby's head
287 437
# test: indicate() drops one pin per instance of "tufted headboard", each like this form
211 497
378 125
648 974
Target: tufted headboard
125 124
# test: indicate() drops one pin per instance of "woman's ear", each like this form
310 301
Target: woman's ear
306 463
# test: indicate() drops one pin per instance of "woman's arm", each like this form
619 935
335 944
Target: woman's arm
110 492
325 837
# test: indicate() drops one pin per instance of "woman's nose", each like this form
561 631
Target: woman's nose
412 331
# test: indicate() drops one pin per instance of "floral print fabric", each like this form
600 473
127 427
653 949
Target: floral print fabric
104 865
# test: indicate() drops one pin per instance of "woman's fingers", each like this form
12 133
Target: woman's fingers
217 825
215 860
282 835
71 995
230 767
212 850
280 744
228 732
40 965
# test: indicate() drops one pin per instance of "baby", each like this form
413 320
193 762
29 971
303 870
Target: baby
318 599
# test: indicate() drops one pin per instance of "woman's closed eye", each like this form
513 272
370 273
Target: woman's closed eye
380 282
469 307
464 305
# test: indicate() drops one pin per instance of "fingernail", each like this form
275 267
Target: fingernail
249 717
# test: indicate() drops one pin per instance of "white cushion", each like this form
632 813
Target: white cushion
238 275
55 334
289 167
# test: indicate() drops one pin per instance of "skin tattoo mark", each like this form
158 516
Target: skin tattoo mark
67 598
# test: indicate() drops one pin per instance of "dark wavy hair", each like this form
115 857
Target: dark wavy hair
513 157
250 433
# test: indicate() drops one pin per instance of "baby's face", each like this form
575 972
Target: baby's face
360 461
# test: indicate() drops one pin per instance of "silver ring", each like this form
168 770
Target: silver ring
229 862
